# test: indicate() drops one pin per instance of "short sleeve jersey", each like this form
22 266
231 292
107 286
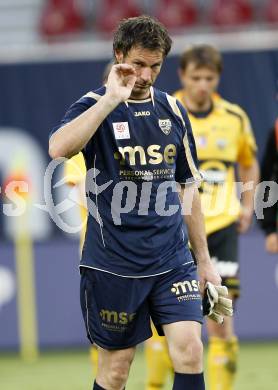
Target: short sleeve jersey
224 138
134 161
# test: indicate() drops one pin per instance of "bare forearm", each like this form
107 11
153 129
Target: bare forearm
250 174
195 224
71 138
197 237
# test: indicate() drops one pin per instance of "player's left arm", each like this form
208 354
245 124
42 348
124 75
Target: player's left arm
215 301
194 220
248 172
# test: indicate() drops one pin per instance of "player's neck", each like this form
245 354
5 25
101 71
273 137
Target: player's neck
140 96
197 107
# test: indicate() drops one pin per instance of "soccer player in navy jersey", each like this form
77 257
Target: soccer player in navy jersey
141 179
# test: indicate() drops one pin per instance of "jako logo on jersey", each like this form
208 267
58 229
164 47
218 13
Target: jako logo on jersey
142 113
165 125
151 156
116 318
185 287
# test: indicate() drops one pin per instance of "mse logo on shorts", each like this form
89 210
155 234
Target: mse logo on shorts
185 291
115 321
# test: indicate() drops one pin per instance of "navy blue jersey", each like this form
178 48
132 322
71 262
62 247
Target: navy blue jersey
135 227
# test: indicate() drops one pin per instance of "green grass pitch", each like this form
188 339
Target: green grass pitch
70 370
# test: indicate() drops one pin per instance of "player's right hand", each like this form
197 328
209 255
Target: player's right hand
216 303
120 82
207 272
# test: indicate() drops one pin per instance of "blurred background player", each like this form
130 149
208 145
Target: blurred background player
269 171
75 175
224 138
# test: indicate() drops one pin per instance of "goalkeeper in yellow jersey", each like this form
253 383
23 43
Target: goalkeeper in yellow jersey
224 139
75 175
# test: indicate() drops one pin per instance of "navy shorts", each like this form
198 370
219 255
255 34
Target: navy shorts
117 310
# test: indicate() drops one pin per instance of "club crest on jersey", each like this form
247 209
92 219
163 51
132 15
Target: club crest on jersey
121 130
165 125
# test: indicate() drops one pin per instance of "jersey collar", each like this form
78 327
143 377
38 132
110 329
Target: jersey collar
151 98
202 114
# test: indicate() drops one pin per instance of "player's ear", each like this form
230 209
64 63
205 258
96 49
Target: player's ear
119 56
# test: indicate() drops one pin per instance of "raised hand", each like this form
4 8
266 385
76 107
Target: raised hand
120 82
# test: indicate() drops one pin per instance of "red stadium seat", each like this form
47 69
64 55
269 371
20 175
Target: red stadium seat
61 17
177 13
231 13
112 11
271 12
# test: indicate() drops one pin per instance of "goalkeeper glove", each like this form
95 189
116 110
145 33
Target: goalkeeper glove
216 303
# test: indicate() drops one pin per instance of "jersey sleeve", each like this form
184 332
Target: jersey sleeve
187 162
247 143
76 109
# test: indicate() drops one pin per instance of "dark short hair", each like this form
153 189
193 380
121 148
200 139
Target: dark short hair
143 31
202 56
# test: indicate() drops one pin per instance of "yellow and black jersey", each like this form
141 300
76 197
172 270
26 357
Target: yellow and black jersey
75 175
223 137
75 170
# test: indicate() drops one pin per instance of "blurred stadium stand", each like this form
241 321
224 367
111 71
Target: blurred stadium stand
111 11
271 11
61 17
175 14
29 21
226 13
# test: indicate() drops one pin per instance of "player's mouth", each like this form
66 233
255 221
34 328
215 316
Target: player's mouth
142 86
202 94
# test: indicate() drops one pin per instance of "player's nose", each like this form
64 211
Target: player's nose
146 74
204 84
